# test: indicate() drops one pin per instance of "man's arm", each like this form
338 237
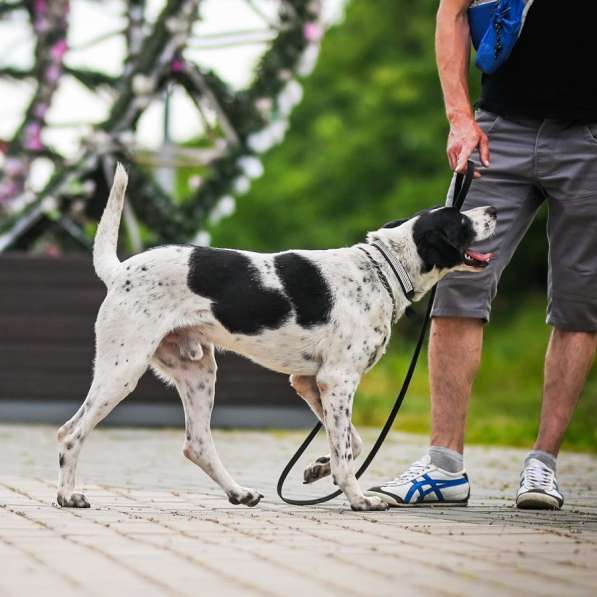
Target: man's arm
452 48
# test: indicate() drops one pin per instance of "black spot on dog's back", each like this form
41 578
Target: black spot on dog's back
307 289
240 302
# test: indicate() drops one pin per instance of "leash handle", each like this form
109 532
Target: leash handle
462 185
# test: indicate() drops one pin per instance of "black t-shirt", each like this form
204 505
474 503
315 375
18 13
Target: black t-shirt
552 71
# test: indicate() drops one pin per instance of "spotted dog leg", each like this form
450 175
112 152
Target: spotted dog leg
120 362
337 389
195 380
306 387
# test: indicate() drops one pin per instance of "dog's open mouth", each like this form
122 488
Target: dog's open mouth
476 259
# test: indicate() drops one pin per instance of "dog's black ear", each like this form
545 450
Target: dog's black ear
437 251
394 223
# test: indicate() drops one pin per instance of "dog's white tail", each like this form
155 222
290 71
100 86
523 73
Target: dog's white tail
105 260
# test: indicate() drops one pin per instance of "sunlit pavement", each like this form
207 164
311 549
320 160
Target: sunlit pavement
158 526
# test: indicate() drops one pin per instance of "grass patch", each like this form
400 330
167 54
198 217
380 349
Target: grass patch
506 398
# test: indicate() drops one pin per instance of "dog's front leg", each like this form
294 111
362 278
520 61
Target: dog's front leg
337 389
306 387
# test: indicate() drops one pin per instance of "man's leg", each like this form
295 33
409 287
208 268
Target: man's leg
462 306
463 300
569 177
567 363
454 356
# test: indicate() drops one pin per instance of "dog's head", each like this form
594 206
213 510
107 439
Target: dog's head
443 238
438 241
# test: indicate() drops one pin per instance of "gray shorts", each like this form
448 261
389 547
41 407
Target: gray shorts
533 161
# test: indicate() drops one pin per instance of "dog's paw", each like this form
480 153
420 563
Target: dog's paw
76 500
248 497
369 503
317 470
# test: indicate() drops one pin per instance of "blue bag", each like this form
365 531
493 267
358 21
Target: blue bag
495 27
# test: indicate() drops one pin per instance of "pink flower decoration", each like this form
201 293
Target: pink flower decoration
40 9
58 50
14 167
176 65
40 110
53 73
312 32
33 137
9 190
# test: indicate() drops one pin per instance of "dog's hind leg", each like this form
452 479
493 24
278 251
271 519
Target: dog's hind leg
105 393
120 362
195 381
306 387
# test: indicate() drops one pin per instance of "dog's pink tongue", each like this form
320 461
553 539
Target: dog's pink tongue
485 257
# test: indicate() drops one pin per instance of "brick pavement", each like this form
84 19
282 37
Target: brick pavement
158 526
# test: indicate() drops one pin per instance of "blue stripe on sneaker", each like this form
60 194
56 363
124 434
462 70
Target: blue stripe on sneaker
435 486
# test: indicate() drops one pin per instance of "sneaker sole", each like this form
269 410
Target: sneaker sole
537 501
395 504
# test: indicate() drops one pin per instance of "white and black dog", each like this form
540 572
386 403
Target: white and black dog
324 317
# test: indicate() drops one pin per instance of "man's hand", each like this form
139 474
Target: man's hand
465 136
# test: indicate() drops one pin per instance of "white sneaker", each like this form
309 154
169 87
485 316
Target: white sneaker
538 488
424 484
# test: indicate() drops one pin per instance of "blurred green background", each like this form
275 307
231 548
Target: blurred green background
367 145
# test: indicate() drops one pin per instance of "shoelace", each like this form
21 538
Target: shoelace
541 477
412 472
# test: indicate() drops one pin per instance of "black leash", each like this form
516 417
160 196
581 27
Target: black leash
462 184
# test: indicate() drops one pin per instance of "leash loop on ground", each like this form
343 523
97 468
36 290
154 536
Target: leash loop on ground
462 184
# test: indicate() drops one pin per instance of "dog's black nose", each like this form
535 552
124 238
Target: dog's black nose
492 211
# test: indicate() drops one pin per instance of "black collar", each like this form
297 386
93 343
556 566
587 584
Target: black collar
398 269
